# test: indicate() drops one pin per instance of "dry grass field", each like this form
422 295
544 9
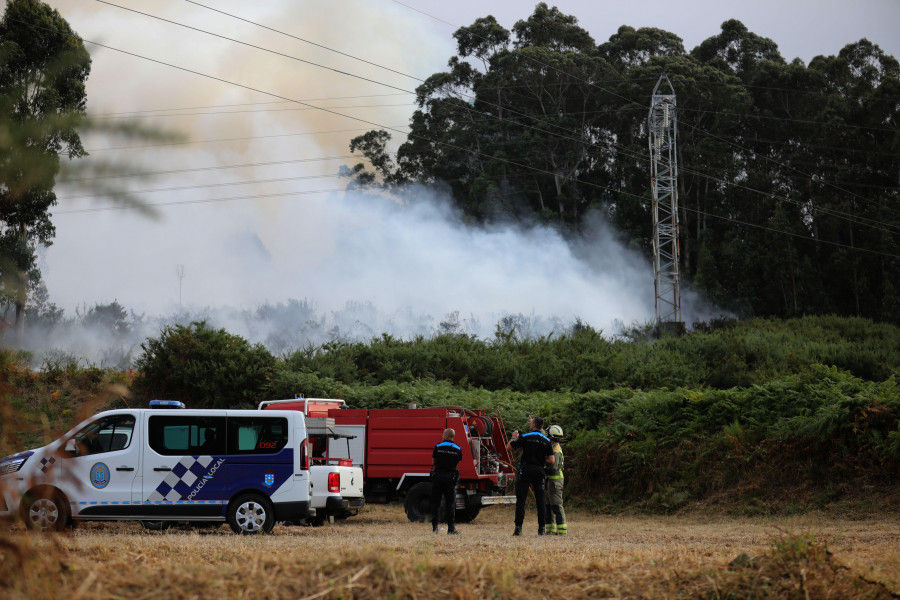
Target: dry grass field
379 554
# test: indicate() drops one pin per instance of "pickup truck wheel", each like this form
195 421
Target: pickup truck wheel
418 502
251 514
45 510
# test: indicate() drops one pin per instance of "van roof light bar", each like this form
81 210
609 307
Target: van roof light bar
166 404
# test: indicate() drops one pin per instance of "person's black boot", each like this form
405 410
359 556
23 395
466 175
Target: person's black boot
541 530
518 531
452 532
434 529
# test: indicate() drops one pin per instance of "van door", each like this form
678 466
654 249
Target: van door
259 454
99 464
184 466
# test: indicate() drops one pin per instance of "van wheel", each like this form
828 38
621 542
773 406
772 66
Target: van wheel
418 502
251 514
45 510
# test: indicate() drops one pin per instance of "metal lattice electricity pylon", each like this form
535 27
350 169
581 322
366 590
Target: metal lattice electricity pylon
664 182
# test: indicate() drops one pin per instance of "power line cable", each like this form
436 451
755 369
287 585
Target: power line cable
778 162
467 107
785 119
248 44
212 185
239 139
265 110
323 109
856 219
212 168
198 201
351 56
764 87
163 110
792 234
304 40
466 150
310 192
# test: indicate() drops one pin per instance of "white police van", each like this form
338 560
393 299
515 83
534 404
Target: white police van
165 464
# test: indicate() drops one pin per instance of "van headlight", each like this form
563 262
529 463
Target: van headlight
12 465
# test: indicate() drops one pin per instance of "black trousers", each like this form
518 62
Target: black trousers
530 477
443 485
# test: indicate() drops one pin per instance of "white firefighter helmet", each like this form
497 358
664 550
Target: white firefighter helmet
555 431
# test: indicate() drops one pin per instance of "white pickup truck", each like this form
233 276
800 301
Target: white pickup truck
336 486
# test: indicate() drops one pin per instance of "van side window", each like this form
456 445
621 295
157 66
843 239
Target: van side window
105 435
176 435
257 435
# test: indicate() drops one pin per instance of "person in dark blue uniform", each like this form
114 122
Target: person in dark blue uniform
537 451
444 476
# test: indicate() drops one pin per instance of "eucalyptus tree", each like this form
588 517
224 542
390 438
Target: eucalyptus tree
513 125
788 173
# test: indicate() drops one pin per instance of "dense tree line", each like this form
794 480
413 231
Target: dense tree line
788 173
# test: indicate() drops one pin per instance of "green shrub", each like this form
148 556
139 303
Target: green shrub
203 367
741 354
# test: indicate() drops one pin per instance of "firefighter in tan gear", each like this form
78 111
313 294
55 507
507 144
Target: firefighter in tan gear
556 515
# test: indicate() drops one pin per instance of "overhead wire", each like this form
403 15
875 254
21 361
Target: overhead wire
265 110
214 185
133 113
332 50
525 166
211 168
236 41
323 109
513 163
304 40
119 207
310 62
237 139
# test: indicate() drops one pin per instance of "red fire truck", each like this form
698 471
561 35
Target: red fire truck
393 447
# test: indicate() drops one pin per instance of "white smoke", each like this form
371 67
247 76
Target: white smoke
346 266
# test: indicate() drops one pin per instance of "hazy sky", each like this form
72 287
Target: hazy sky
248 203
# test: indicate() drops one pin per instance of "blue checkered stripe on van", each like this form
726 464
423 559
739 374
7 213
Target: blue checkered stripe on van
184 478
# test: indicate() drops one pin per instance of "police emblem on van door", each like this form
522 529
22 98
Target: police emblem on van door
99 476
269 479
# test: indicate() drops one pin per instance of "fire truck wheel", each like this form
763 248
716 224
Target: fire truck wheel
251 514
418 502
44 509
467 514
